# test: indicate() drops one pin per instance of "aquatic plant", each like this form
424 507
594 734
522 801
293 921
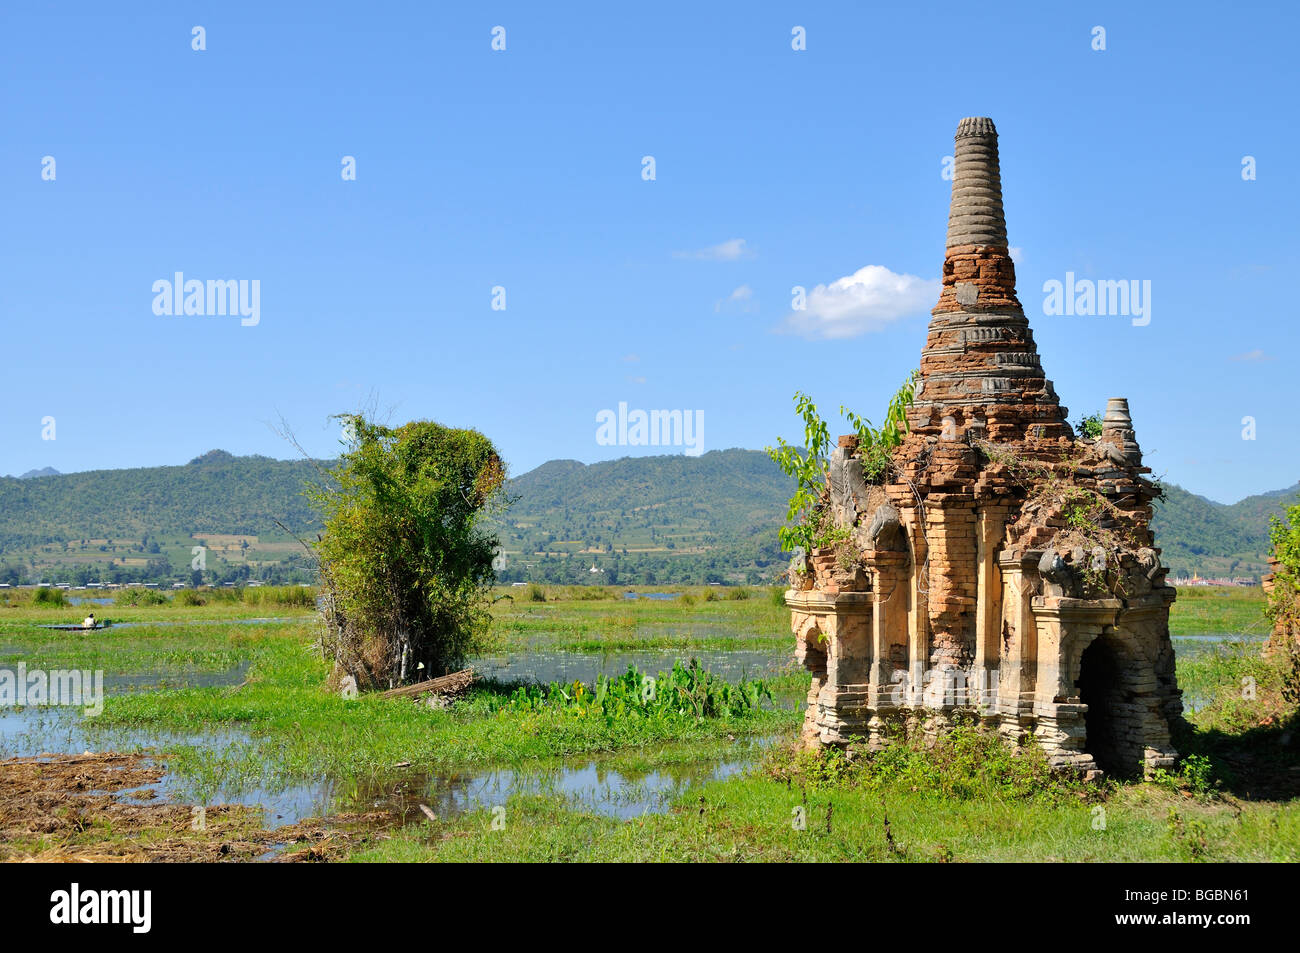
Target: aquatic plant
687 691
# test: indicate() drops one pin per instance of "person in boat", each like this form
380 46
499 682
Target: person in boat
88 622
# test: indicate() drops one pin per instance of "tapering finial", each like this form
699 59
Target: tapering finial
975 216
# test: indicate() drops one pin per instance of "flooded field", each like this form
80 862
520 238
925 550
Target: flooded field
232 715
602 784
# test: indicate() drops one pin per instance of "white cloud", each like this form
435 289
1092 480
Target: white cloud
865 301
1254 356
1016 252
742 299
733 249
631 358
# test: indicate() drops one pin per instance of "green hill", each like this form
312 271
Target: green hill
216 493
654 519
1212 539
710 518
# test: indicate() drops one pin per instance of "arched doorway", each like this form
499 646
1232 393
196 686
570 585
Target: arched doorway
1112 740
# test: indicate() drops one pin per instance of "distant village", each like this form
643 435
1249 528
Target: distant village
1213 581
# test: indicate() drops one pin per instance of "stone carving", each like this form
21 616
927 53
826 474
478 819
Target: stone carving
886 530
1056 571
850 494
970 585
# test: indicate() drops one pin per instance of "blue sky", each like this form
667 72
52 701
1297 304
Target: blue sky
522 169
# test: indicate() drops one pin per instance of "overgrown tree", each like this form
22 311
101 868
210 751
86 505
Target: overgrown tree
1284 599
405 563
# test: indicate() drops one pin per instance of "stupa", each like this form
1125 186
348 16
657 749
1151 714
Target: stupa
1003 569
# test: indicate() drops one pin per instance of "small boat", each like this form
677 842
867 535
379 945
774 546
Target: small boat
79 627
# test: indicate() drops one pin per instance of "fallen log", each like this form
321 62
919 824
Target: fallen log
443 685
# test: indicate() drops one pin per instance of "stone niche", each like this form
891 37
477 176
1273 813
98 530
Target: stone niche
1004 570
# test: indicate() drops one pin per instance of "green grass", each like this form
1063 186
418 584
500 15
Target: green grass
136 650
571 620
1232 609
969 798
753 818
968 802
300 731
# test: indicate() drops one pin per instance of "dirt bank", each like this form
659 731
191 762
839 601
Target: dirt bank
105 808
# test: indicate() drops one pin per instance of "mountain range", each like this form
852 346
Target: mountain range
648 519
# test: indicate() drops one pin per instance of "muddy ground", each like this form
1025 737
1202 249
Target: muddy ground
105 808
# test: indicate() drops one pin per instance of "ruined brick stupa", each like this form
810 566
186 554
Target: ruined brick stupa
1003 567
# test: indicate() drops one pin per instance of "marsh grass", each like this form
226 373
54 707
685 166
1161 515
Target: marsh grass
962 800
49 597
140 650
755 818
964 763
1223 609
301 731
617 624
140 596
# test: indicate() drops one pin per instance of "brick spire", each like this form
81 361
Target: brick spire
980 368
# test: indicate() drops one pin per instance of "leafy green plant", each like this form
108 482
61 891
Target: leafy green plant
1089 426
809 472
963 763
1190 835
809 468
1198 772
1196 775
829 536
1284 601
688 691
876 446
1291 675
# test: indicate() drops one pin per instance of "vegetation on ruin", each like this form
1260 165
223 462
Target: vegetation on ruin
1089 426
808 469
806 528
1094 526
405 563
876 446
